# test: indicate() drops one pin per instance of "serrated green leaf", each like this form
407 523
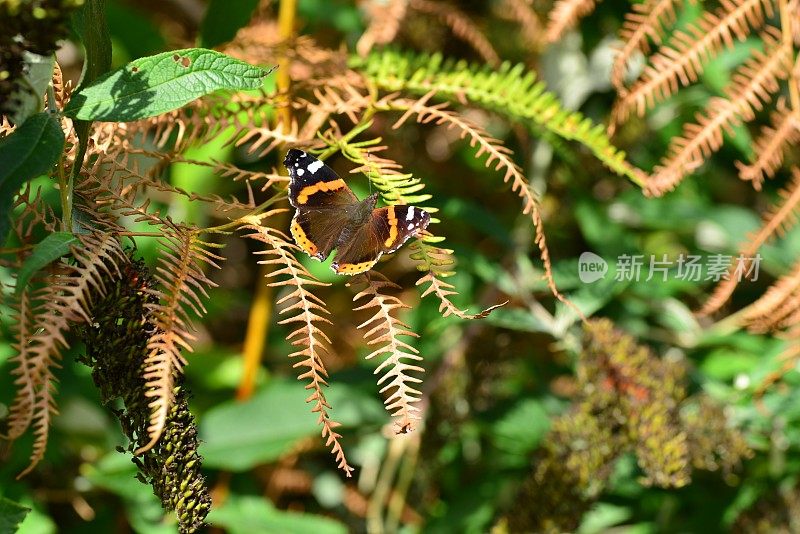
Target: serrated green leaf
46 251
25 154
11 515
153 85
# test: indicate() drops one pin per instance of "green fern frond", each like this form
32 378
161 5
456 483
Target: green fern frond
394 186
510 90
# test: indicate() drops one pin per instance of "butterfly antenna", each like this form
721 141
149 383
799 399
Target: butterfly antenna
369 181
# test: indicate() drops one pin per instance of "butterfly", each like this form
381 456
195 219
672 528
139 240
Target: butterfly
329 216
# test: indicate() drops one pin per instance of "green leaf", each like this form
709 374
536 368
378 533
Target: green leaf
239 435
153 85
520 430
223 19
30 151
11 515
256 515
47 250
37 75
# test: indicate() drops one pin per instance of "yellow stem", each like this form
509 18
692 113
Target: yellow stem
261 309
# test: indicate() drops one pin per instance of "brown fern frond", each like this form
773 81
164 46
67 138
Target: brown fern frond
5 126
648 20
182 287
20 413
384 23
777 221
269 138
497 155
307 311
66 300
461 26
780 300
565 16
126 174
62 89
443 290
753 85
342 99
202 121
383 328
682 60
44 408
771 145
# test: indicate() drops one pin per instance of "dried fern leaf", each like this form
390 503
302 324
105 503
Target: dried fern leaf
434 262
771 145
20 413
262 140
497 155
682 60
565 16
781 299
308 312
66 300
646 21
778 220
753 84
384 23
384 329
182 287
5 126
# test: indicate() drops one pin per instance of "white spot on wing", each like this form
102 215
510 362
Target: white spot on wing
315 166
410 214
302 154
300 172
410 226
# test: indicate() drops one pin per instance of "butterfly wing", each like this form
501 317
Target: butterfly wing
324 203
317 230
386 231
315 185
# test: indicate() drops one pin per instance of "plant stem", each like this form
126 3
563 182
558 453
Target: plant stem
64 182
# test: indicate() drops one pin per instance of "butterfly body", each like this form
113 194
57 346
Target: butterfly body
329 216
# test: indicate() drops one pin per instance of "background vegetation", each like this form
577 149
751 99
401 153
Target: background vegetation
645 406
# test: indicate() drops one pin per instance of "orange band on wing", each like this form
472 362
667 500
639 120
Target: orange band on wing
302 240
302 196
392 227
354 268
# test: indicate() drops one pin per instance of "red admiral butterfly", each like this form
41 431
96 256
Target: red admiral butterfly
329 216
